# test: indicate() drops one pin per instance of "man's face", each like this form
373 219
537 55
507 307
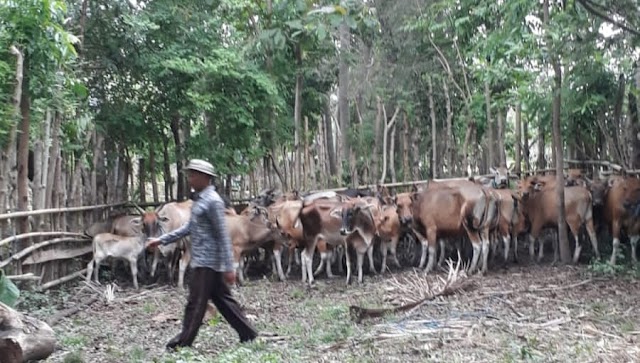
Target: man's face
197 180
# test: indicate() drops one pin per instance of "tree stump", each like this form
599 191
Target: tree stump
23 338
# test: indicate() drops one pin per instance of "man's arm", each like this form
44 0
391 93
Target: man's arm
216 214
171 237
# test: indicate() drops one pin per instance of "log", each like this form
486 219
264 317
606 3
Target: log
62 280
23 338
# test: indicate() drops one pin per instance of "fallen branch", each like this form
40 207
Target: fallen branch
39 234
62 280
453 284
26 277
71 311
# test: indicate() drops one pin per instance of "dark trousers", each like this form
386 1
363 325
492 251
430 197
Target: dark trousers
207 284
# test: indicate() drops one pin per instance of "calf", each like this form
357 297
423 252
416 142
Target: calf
108 245
388 227
538 197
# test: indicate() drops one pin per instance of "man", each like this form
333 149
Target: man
211 259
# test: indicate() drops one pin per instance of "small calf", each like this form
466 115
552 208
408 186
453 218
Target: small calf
107 245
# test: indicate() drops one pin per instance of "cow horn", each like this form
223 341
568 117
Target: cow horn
138 208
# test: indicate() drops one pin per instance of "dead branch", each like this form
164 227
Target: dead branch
71 311
62 280
38 234
18 256
25 277
59 210
588 6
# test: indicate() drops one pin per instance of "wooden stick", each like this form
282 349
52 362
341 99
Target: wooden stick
38 234
72 310
59 210
26 277
62 280
28 250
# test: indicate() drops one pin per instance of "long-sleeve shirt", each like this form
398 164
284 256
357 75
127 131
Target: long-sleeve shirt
210 241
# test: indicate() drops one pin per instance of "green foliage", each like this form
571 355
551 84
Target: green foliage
9 292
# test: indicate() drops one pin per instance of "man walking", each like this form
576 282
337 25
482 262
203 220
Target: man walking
211 259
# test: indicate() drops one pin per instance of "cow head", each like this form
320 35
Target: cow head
353 217
404 203
258 214
526 187
500 177
574 177
152 223
598 190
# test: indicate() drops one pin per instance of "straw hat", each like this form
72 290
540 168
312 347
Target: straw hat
202 166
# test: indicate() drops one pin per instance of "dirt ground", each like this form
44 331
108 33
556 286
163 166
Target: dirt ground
523 313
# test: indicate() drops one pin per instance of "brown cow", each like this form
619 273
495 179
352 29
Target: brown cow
317 224
164 219
621 194
448 211
358 226
122 225
538 198
247 233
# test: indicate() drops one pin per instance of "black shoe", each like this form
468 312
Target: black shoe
174 343
248 339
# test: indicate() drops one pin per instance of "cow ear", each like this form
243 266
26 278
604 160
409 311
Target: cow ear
516 196
538 186
414 196
336 213
163 219
414 188
136 221
394 200
492 170
610 182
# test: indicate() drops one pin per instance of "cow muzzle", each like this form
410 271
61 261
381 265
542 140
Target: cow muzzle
343 231
406 220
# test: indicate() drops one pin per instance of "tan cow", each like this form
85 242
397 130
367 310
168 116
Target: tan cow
389 231
165 219
247 233
538 197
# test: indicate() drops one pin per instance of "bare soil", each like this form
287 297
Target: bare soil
524 313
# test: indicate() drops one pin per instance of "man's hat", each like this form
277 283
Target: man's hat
202 166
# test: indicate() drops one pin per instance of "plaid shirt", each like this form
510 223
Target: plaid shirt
210 241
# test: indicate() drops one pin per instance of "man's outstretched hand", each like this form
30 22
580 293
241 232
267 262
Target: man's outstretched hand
230 277
152 243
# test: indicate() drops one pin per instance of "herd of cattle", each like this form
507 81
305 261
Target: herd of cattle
482 210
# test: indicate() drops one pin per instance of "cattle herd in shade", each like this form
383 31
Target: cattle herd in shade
481 210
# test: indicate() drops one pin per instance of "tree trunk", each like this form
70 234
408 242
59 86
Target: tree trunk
518 160
563 240
24 338
415 151
450 147
525 143
179 151
54 153
634 117
23 156
343 94
405 148
152 171
375 157
329 134
166 171
542 164
297 121
387 126
141 180
322 155
392 155
435 171
502 157
490 140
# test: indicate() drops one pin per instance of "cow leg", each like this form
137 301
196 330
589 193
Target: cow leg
330 260
506 242
348 260
292 254
185 258
307 261
514 238
575 230
384 246
372 267
89 270
277 257
394 249
634 245
532 247
541 250
133 262
360 259
443 251
322 248
154 264
486 245
432 239
425 244
476 242
592 236
340 255
298 257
